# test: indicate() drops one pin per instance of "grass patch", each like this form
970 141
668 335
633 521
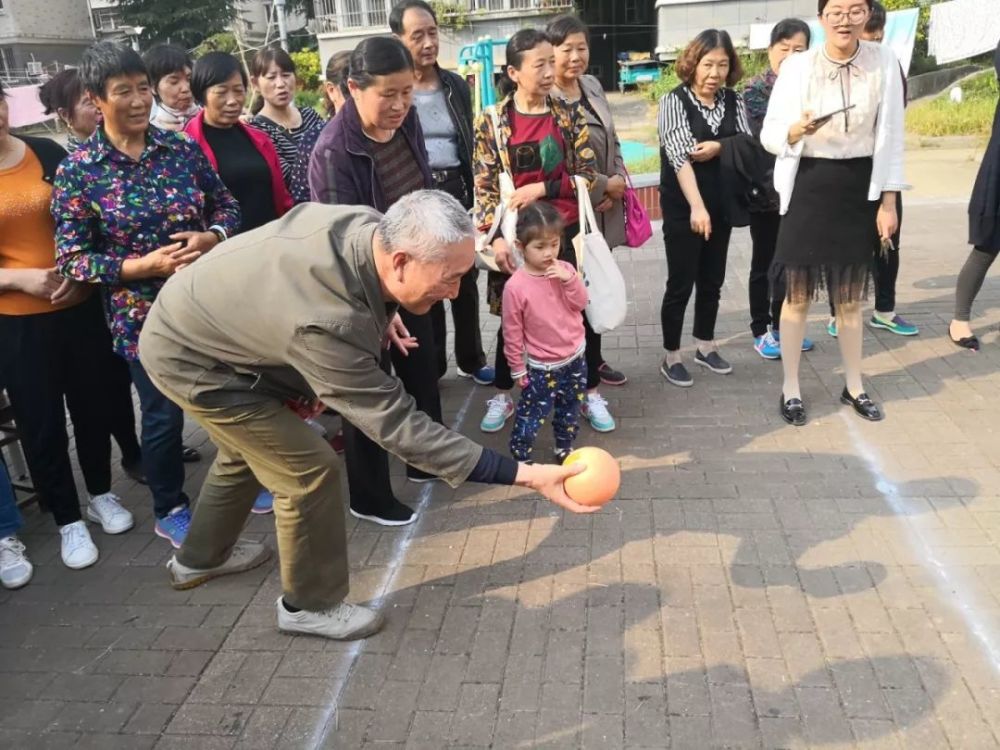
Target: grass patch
973 116
645 165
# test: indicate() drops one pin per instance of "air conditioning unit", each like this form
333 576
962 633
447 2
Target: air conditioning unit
34 68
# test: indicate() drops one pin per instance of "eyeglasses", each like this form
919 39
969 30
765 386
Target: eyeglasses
854 15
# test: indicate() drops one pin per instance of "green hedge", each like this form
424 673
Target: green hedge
972 116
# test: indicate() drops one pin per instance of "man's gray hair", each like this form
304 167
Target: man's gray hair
422 223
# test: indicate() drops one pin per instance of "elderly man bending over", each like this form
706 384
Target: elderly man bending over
302 308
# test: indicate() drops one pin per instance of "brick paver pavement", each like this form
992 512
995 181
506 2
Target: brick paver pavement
753 585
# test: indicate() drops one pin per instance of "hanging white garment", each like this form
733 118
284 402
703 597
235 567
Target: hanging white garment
963 28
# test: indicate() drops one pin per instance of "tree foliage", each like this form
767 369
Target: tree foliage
307 68
224 41
182 22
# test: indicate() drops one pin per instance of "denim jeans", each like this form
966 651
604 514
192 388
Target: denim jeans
10 516
162 432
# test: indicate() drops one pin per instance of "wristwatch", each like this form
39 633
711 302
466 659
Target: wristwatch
219 234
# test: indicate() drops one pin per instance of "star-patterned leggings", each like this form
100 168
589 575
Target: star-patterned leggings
560 390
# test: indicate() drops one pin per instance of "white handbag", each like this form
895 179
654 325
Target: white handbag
504 218
607 301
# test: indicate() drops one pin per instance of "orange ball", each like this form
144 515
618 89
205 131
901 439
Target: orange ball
599 482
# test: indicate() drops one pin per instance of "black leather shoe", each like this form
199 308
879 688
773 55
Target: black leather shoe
190 455
967 342
863 405
793 411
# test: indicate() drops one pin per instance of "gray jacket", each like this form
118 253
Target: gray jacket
294 309
604 141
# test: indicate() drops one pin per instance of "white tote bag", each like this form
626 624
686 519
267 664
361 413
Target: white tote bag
607 301
504 218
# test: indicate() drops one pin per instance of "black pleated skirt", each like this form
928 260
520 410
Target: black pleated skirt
828 237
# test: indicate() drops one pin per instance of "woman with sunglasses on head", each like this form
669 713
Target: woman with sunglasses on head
571 40
788 37
546 144
835 122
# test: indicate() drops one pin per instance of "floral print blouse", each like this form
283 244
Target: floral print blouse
756 95
109 208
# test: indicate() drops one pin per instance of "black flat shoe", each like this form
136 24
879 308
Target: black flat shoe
190 455
863 406
793 411
967 342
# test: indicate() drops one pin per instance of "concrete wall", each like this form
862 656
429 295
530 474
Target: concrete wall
45 21
52 32
678 21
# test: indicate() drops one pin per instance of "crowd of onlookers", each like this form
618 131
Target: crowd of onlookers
167 157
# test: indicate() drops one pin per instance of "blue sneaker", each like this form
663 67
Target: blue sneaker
807 343
767 346
897 325
831 327
264 503
483 376
595 409
174 526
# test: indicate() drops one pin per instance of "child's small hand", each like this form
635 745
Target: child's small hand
558 271
523 382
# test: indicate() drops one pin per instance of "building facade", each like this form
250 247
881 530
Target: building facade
341 24
616 26
39 37
678 21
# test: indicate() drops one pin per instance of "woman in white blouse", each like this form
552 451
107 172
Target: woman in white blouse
835 122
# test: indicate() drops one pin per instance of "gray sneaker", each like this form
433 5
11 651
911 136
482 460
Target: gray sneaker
344 622
714 362
245 556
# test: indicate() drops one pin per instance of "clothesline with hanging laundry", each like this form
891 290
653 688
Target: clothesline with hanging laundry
24 106
961 29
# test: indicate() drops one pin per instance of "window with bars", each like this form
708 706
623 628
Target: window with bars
107 19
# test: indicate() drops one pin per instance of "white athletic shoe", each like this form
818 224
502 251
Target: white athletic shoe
78 550
345 622
107 510
245 556
15 569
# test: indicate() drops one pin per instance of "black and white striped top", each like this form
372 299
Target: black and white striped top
676 138
294 147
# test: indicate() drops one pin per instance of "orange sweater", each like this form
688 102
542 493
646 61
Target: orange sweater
27 232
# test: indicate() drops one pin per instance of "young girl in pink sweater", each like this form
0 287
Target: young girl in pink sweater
543 334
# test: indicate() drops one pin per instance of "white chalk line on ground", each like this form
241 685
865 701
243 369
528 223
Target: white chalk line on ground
951 584
328 722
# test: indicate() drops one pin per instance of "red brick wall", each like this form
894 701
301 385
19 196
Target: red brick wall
650 197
